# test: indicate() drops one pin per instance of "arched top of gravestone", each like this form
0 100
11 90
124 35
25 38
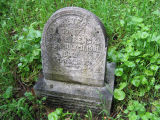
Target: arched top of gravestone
75 11
74 46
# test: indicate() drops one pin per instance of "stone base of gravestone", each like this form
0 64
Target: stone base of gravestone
78 98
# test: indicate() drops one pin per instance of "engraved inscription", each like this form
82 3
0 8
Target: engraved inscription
72 45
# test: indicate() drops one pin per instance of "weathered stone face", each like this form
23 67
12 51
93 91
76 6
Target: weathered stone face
74 62
74 47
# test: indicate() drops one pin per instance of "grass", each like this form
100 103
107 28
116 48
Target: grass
133 28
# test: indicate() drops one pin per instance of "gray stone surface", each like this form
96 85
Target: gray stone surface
74 47
76 97
76 75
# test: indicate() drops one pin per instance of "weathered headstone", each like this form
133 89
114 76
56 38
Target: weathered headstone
76 76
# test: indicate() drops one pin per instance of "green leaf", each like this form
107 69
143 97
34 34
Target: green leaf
119 94
157 12
144 117
112 54
132 116
26 68
143 80
59 111
119 71
154 67
147 115
129 49
20 66
44 98
148 72
135 53
137 19
130 106
139 107
50 116
153 1
152 81
122 57
155 38
146 55
148 87
126 111
8 92
29 95
158 61
53 116
154 58
129 64
124 76
138 60
122 85
144 35
142 92
136 81
157 87
36 52
37 34
122 23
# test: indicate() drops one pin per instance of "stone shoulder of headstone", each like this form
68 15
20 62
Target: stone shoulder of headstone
74 46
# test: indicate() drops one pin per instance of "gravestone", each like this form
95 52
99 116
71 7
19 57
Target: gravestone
76 75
